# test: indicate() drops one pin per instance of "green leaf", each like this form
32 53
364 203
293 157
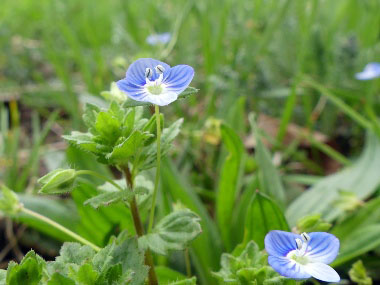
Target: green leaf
9 203
358 274
84 141
263 215
229 182
108 198
57 181
270 180
361 178
59 279
3 276
75 253
89 117
165 275
360 241
128 148
173 232
114 94
86 275
128 255
188 92
29 271
248 266
189 281
108 127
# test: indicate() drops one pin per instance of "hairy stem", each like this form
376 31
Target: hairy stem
139 227
157 179
60 227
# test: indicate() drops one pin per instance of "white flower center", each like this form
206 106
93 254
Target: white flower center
299 254
155 87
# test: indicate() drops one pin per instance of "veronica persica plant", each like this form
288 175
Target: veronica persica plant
303 256
153 81
371 71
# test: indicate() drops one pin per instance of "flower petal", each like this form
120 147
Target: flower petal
323 247
279 243
322 272
133 91
160 100
288 268
178 78
136 71
371 71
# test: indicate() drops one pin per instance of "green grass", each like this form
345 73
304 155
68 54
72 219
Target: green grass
293 60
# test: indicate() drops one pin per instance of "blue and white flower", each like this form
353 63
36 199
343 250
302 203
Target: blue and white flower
371 71
158 39
150 80
303 256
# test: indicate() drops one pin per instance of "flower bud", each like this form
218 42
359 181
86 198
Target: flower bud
58 181
9 203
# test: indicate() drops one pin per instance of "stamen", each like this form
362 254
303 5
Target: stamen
298 243
305 237
148 73
159 69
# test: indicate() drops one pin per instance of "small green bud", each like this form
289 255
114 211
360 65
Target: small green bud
358 274
114 94
57 181
312 223
348 201
9 203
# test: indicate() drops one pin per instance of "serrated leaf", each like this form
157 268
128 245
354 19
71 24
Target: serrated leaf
189 281
173 232
188 92
89 117
129 147
248 266
59 279
108 127
75 253
29 271
128 255
263 215
86 275
108 198
84 141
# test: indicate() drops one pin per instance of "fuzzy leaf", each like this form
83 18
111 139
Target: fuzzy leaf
59 279
173 232
358 274
128 147
3 276
84 141
108 127
29 271
248 266
107 198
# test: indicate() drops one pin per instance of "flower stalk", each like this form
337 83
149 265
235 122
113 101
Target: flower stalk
158 169
59 227
139 227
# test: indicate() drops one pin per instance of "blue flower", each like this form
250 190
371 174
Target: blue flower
371 71
150 80
158 39
303 256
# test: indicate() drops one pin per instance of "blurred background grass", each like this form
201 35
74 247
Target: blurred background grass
275 58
